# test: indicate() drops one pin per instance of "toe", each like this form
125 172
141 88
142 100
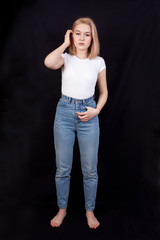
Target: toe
53 224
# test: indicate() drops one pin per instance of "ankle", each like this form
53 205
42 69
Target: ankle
89 212
63 211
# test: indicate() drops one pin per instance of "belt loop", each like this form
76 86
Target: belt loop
69 100
83 101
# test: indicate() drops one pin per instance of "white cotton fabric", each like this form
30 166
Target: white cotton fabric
79 76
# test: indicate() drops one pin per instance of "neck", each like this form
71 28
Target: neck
82 54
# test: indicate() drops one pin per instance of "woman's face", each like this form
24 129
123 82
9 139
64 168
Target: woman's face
82 36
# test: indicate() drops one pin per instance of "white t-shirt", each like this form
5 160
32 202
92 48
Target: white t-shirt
79 76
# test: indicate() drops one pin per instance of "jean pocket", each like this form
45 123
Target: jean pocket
62 102
92 104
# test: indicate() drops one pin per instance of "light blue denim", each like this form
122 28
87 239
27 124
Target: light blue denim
66 126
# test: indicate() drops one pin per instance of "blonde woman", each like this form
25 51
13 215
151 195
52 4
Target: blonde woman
77 113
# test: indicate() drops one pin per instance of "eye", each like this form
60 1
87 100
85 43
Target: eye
77 34
88 35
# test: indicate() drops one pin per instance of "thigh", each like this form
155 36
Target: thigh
88 139
88 132
64 135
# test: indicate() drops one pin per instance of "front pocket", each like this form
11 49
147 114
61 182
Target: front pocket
62 102
91 104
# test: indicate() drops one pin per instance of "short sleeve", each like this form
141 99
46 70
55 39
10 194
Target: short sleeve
102 64
64 55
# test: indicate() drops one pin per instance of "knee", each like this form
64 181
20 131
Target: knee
90 174
63 172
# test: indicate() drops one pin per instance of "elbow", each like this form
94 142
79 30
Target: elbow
47 63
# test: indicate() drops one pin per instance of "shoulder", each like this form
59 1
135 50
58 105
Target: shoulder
99 59
66 55
100 63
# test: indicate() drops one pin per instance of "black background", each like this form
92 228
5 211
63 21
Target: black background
129 169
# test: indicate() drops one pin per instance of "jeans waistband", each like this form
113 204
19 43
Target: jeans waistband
75 100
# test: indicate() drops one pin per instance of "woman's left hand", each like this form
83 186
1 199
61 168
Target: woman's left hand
89 114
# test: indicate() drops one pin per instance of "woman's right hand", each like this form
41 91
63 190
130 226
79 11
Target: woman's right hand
67 39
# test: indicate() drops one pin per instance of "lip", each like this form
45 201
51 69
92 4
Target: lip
81 43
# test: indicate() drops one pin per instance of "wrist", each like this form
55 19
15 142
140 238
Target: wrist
98 108
65 45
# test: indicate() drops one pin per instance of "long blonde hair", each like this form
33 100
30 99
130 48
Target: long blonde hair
94 48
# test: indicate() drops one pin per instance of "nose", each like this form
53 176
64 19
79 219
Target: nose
82 37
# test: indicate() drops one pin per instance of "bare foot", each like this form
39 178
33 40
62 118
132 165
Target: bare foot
92 220
58 219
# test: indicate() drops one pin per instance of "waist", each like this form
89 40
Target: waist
76 100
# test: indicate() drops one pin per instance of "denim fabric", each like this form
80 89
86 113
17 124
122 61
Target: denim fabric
66 126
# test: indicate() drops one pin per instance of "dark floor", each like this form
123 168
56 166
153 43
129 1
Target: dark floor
118 221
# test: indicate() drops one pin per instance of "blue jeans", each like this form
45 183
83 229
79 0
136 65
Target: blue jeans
66 126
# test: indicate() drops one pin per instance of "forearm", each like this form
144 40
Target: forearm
102 100
53 58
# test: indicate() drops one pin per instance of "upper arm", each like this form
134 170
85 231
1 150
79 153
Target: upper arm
58 65
102 82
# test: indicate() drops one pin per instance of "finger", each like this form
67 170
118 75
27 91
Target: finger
69 32
82 117
81 113
84 120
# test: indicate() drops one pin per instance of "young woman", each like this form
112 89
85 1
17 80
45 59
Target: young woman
77 113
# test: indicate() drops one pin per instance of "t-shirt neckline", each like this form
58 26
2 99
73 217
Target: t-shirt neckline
81 59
